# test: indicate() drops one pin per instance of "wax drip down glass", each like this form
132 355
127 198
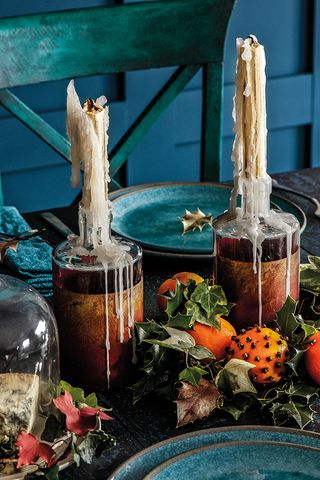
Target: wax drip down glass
256 249
97 278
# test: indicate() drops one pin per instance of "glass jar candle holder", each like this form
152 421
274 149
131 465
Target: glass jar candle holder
96 308
258 283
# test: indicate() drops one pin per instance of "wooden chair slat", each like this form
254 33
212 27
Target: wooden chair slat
33 121
149 115
92 41
211 139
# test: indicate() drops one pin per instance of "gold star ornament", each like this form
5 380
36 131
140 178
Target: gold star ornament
193 220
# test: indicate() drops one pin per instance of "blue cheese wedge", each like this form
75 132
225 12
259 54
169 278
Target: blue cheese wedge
19 399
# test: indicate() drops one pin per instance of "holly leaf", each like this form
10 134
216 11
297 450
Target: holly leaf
307 393
196 402
174 302
177 340
286 317
295 360
192 375
301 413
234 378
200 353
238 405
94 444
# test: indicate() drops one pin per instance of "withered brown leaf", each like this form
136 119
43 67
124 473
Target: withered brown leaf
196 401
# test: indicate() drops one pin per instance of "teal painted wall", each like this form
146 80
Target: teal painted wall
35 178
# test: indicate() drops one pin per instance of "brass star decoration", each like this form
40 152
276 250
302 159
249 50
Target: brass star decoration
193 220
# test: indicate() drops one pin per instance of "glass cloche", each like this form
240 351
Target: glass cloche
29 357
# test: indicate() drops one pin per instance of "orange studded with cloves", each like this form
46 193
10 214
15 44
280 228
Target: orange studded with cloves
266 349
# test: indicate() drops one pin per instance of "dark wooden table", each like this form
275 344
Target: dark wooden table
153 419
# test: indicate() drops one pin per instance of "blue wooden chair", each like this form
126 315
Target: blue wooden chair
52 46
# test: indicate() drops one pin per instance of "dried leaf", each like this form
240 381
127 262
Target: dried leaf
196 402
193 220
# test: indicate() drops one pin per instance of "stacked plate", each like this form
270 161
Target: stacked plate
243 453
150 214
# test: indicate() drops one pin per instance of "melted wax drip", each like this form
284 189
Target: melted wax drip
87 128
249 156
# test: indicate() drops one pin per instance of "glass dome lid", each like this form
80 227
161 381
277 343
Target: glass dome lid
29 358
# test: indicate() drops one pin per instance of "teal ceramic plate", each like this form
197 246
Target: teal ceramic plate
242 461
151 214
138 466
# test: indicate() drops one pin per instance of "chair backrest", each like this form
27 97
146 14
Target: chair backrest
189 34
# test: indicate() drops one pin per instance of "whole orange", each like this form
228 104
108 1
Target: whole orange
217 341
312 358
169 285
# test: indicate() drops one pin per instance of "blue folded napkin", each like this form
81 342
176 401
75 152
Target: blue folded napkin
32 260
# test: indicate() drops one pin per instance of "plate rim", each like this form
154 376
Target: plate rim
217 446
145 187
197 433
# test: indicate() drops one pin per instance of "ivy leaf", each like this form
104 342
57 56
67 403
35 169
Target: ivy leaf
198 314
91 400
52 473
314 262
234 378
178 340
200 353
53 429
94 444
192 375
196 402
295 360
77 393
154 383
238 405
180 321
146 329
286 317
310 275
208 295
281 412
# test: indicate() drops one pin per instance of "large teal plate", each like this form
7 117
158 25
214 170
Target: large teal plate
141 464
151 214
243 461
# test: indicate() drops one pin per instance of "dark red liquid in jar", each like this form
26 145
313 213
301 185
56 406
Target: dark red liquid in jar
80 308
233 270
